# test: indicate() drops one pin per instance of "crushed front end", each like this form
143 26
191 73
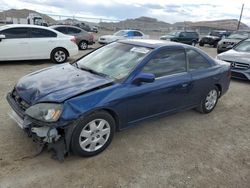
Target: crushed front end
53 135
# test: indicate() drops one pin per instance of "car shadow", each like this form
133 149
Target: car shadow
240 80
26 62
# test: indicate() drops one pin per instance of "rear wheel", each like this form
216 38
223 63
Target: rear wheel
59 55
83 45
209 102
93 134
201 43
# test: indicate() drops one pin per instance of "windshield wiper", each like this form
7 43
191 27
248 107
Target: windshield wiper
94 72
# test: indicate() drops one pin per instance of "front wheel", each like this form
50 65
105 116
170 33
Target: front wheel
93 134
209 102
201 43
59 55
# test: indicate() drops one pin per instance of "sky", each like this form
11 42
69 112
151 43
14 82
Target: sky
168 11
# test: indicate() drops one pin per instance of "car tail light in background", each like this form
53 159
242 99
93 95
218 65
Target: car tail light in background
73 39
91 36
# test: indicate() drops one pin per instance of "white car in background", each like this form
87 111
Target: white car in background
28 42
122 34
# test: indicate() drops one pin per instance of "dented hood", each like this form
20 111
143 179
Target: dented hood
58 83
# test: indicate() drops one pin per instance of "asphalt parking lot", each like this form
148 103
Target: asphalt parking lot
187 149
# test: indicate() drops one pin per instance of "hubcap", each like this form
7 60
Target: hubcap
94 135
211 99
83 45
60 56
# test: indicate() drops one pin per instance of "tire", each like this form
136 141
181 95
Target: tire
59 55
89 140
215 44
209 102
83 45
218 51
193 43
201 43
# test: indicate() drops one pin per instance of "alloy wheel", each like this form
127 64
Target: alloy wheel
94 135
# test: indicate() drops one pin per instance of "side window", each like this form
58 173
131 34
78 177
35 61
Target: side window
196 60
62 30
42 33
137 34
72 30
15 33
183 35
166 62
130 34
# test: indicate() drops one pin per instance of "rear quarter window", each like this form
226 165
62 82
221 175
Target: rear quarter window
196 60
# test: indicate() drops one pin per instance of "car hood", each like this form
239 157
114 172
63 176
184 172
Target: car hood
230 40
58 83
213 37
167 36
235 56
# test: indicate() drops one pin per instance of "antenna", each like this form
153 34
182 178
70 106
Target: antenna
238 26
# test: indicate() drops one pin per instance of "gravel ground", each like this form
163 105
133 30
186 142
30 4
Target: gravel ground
182 150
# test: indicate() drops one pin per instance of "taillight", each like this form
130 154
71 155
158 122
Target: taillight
73 40
92 36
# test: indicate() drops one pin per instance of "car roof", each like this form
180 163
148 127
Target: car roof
61 25
25 25
151 43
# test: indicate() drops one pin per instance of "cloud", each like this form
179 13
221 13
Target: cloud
176 11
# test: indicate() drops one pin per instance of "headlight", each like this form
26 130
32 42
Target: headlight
48 112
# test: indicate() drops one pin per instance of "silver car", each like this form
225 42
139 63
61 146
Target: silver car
233 39
239 58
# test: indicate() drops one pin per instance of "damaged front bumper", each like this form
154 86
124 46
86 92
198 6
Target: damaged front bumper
56 136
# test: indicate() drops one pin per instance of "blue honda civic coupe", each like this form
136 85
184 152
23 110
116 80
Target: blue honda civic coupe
78 107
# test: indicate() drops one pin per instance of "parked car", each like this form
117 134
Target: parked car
94 29
78 107
122 34
233 39
83 38
27 42
186 37
239 59
213 38
83 26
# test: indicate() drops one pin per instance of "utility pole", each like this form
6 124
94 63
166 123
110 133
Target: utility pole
238 26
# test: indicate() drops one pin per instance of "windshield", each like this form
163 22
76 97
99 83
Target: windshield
115 60
120 33
238 36
216 34
243 47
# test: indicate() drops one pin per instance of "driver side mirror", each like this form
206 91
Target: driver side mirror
143 77
2 37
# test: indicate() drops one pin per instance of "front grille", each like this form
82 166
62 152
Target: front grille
102 38
228 43
237 65
19 101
